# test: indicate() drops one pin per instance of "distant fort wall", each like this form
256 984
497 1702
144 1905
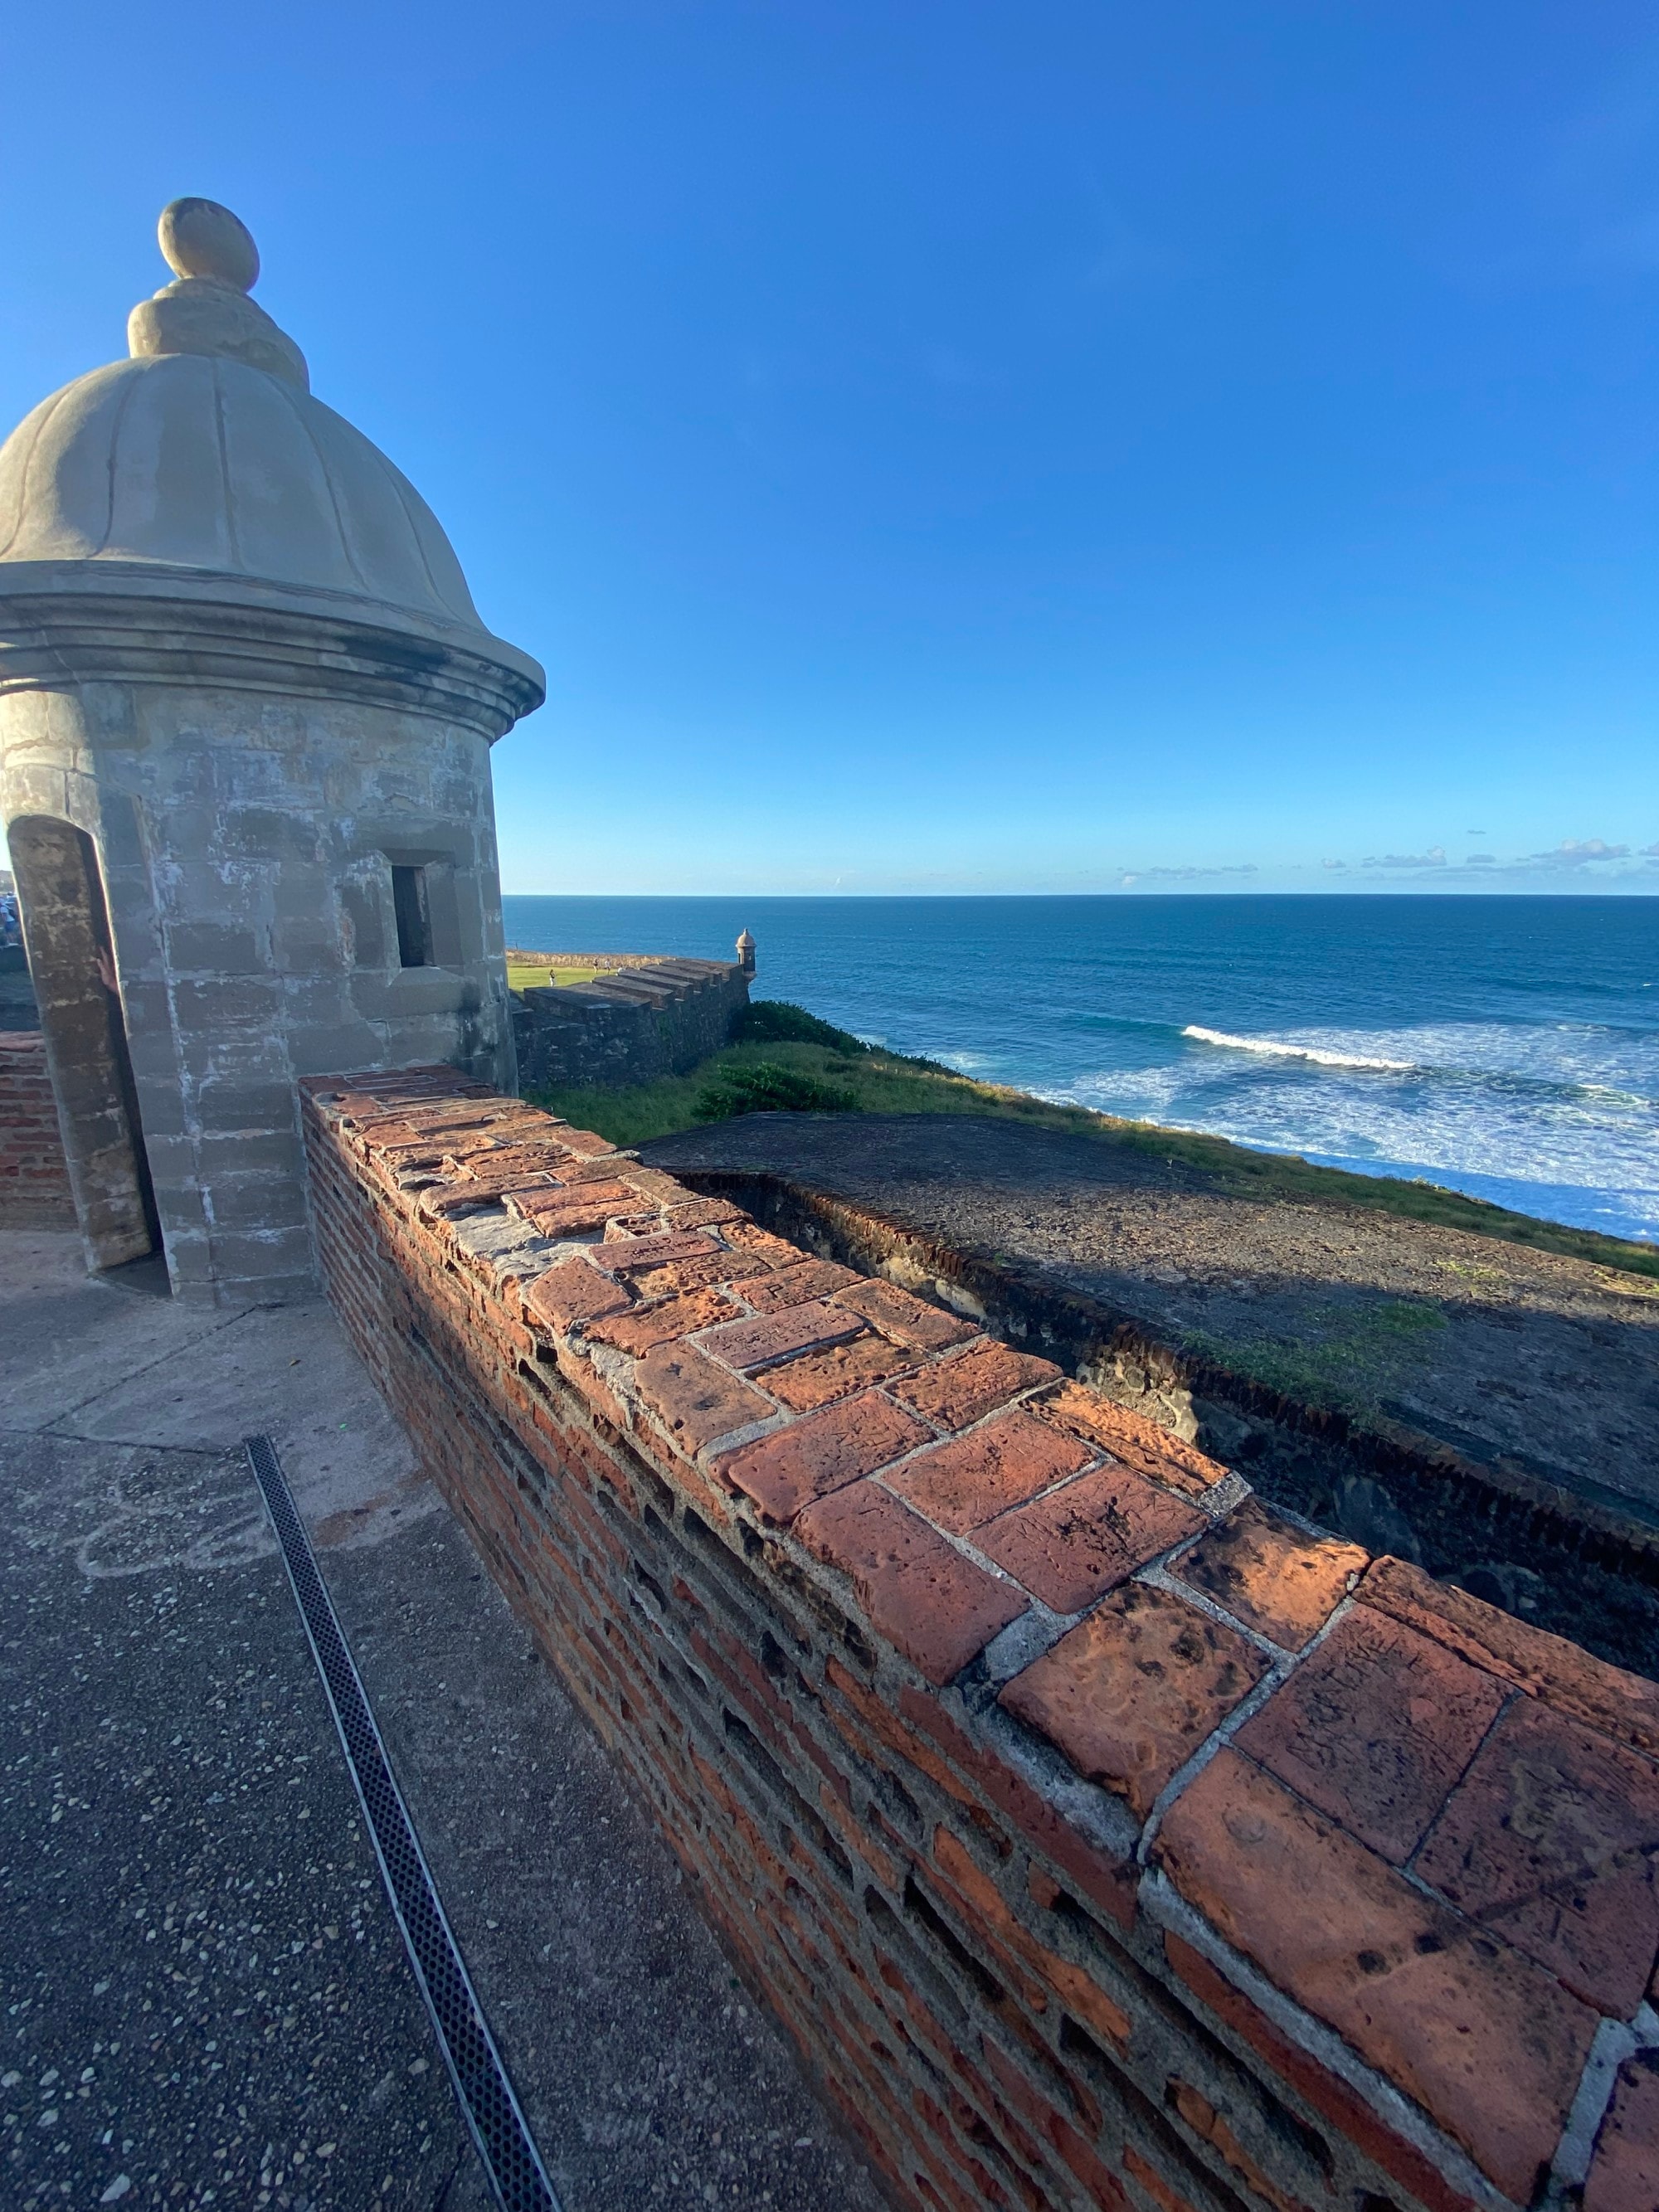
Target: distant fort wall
642 1019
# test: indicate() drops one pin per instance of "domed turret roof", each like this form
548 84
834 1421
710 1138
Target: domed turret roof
206 452
201 463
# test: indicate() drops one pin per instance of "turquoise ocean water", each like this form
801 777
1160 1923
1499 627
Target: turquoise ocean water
1505 1047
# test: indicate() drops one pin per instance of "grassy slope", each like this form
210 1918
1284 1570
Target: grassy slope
889 1083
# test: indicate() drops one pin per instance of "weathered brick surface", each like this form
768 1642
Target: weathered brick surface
1474 2031
34 1185
962 1484
932 1603
1027 1894
784 1473
1375 1727
973 1383
1076 1544
1551 1839
1624 2174
1133 1691
1273 1576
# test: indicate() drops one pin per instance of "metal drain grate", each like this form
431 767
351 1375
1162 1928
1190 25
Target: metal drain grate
498 2128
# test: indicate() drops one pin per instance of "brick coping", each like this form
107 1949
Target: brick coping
1388 1834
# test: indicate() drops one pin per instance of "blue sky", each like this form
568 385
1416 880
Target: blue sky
955 447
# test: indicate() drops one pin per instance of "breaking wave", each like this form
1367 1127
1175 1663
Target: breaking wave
1273 1048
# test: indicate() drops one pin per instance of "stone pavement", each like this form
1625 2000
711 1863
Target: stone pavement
206 2000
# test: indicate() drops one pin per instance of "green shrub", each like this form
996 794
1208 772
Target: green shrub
775 1021
766 1088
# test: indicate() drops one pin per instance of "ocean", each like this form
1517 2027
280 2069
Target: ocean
1504 1047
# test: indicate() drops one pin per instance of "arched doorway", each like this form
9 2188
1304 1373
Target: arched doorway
60 894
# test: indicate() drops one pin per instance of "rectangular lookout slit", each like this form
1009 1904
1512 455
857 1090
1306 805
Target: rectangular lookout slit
409 902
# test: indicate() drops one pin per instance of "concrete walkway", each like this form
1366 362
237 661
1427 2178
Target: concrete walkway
205 1999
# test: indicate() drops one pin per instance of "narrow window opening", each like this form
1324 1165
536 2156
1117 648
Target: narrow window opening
413 922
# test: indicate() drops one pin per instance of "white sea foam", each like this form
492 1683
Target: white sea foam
1282 1049
1561 1119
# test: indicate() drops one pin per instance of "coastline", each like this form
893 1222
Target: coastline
882 1081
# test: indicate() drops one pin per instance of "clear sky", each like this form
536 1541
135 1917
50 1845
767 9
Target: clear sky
937 446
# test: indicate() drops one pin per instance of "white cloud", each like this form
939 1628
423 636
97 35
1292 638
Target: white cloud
1434 858
1578 853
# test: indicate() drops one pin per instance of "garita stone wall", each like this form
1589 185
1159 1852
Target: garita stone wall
1103 1839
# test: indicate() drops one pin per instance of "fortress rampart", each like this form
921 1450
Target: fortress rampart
1104 1838
647 1018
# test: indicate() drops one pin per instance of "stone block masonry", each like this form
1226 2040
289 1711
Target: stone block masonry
634 1025
1104 1838
35 1186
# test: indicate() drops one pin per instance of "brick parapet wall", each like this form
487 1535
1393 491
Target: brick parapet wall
631 1026
1103 1839
34 1185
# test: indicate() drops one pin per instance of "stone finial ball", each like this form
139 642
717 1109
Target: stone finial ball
199 238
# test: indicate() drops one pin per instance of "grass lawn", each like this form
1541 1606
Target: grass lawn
527 975
789 1057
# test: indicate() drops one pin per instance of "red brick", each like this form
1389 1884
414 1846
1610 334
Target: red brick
1104 2190
819 1378
576 1174
1131 1693
1130 1437
1110 1883
561 1213
636 1331
960 1485
573 1291
884 1725
1623 2175
583 1141
1550 1840
937 1608
793 1285
1070 1546
1375 1727
389 1135
1213 2127
1276 1578
625 1255
686 1212
963 1388
1555 1671
763 1250
695 1400
1080 1993
653 1186
543 1157
909 1320
1487 2042
786 1471
1149 2178
669 1281
447 1201
749 1344
1328 2094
